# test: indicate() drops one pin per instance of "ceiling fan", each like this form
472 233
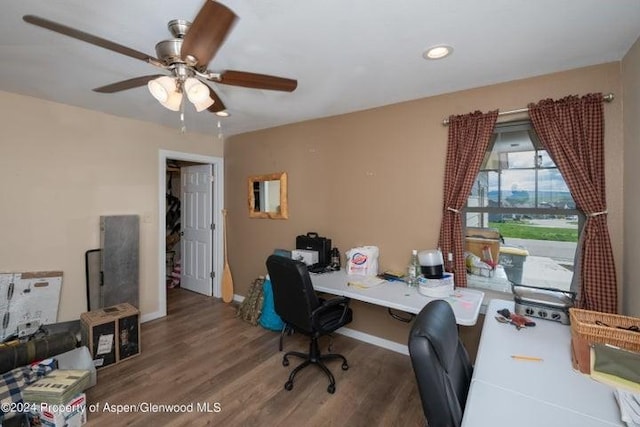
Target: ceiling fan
186 57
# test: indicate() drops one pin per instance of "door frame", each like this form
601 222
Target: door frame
218 204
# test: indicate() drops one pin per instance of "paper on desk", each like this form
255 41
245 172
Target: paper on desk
629 404
365 282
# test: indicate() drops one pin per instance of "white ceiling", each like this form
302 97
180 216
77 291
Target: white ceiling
347 55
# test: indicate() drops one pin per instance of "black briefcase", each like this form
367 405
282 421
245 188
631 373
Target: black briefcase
311 241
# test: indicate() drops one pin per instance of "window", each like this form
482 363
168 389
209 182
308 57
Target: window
520 193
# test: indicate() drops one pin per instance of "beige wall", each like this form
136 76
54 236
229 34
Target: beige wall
375 177
61 168
372 177
631 86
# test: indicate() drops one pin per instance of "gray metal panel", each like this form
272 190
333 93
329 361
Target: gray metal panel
119 240
93 267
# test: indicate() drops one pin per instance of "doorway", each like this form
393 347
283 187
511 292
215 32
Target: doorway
215 251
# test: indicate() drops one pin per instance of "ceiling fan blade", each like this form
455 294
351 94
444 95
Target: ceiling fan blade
257 81
86 37
126 84
207 33
217 105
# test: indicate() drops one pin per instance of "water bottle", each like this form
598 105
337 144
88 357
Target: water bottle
413 270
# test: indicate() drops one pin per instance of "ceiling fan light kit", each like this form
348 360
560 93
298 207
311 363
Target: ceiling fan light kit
203 105
169 92
196 91
161 87
165 90
186 57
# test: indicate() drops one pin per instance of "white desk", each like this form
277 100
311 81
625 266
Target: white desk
397 295
526 393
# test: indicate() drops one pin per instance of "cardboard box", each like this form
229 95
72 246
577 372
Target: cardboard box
483 242
71 414
112 334
482 232
78 358
482 247
58 387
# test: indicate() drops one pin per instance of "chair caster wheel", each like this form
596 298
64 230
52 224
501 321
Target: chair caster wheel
288 385
331 389
345 367
285 362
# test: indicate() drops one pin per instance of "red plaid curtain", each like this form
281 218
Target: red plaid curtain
469 137
572 132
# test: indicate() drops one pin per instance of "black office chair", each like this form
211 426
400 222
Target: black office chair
298 306
441 365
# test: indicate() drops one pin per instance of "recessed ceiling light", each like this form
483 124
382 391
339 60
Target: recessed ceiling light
438 52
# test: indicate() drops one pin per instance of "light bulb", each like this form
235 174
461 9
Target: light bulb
173 101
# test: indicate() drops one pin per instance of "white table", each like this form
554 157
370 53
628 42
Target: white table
529 393
397 295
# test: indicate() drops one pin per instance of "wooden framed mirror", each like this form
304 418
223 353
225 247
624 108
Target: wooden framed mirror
268 196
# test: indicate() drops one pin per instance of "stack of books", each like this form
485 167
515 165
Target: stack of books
57 387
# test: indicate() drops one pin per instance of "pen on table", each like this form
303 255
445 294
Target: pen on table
529 358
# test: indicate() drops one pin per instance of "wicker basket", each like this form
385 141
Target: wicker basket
583 323
585 332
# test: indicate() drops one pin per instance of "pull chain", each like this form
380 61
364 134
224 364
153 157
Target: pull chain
220 135
183 126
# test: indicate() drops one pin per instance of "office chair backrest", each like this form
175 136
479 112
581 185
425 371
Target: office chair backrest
293 295
441 364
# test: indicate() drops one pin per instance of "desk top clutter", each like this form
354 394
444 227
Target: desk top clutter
363 260
530 371
527 392
397 295
360 280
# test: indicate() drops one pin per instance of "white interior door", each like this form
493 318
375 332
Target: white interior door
197 228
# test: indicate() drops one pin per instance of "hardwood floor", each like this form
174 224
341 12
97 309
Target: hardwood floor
201 356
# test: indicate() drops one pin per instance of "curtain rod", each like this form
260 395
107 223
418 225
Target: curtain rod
608 98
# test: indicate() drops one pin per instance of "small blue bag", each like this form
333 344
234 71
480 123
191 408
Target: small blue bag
269 319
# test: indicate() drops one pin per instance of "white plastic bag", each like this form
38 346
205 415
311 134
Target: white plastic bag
363 260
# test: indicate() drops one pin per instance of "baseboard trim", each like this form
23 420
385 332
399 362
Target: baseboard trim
151 316
347 332
372 339
361 336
